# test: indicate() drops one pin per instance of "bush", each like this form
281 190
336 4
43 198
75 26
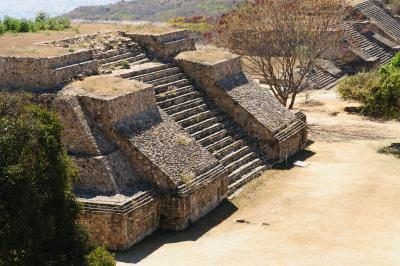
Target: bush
12 24
100 257
377 91
41 22
38 212
2 28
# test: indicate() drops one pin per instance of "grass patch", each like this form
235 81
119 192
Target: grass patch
183 140
187 177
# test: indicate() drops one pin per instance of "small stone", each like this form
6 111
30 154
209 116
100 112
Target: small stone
80 77
266 224
241 221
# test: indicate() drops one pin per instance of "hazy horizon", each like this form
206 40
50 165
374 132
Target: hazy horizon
29 8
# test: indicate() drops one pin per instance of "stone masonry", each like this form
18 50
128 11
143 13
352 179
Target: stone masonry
162 142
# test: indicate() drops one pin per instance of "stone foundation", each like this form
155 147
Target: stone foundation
119 226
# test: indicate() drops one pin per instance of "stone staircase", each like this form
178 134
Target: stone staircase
203 120
130 53
322 79
364 46
381 18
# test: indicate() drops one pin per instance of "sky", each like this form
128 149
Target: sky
29 8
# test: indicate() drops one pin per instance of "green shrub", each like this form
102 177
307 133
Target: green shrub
2 28
41 22
38 212
25 26
12 24
377 91
125 65
100 257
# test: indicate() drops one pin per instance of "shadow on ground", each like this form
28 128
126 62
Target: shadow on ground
301 156
393 149
162 237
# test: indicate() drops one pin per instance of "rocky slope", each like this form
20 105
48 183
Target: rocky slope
154 10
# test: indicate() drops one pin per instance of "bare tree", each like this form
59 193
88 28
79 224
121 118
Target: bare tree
282 39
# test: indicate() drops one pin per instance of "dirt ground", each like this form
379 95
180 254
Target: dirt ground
343 209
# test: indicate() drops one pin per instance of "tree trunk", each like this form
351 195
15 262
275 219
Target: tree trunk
292 101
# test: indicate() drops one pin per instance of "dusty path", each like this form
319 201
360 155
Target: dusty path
343 209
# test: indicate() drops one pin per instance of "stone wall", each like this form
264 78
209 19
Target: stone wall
108 111
179 211
120 226
165 46
77 136
45 73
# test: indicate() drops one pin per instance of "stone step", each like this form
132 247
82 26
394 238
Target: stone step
193 129
117 57
208 131
197 118
229 148
111 53
174 93
131 59
256 172
235 155
168 86
220 144
179 99
214 137
243 170
190 112
145 69
167 80
175 109
158 74
139 62
239 161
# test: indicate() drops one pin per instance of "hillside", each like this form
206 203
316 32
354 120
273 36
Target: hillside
154 10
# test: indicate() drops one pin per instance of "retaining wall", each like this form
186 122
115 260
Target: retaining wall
45 73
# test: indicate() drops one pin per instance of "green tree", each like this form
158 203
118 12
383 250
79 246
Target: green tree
377 91
38 212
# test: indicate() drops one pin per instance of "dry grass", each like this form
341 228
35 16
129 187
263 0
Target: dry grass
209 56
107 86
151 28
187 177
183 140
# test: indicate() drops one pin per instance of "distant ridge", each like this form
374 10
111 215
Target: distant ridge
152 10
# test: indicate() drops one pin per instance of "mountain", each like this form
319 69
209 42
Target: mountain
152 10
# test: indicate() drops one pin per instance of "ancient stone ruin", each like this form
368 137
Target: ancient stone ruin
371 38
161 133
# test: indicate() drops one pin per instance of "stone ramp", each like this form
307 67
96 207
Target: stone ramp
381 18
203 120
